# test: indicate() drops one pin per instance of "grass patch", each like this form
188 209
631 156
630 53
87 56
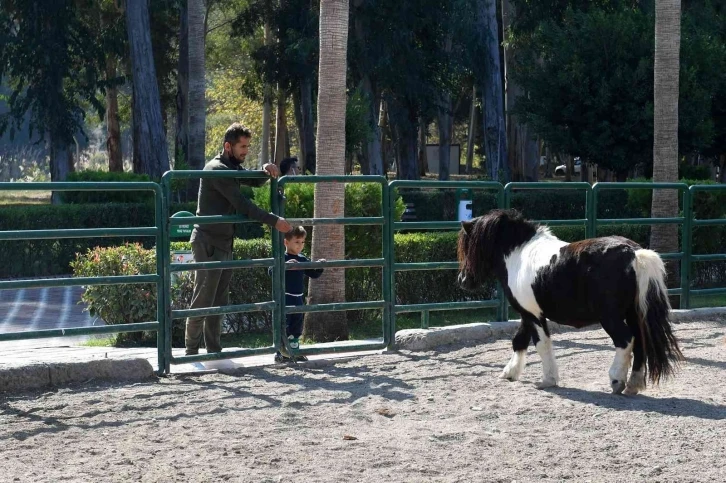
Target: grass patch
99 342
24 197
701 301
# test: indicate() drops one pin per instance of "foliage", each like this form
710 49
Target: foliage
119 304
361 200
587 98
54 62
101 196
587 70
357 129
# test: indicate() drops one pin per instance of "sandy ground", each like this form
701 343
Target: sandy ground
434 416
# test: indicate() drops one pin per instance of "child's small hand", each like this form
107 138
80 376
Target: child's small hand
292 260
321 260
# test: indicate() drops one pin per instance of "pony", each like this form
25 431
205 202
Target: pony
608 280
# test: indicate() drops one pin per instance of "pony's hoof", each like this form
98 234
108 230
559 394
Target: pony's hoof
631 390
546 383
509 374
617 386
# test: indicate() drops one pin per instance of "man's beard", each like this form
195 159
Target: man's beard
235 159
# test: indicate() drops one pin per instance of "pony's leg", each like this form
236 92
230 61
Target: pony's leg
636 383
543 344
520 342
624 342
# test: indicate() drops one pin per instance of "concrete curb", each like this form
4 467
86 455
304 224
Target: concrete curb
35 376
427 339
49 375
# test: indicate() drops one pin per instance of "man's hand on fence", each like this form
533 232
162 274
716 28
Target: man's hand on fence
282 225
271 169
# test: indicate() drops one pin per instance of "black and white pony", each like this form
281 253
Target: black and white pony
610 280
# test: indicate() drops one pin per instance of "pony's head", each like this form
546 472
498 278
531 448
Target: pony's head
485 241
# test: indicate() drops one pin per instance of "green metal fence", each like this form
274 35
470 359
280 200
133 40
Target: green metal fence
394 267
683 220
169 267
281 267
387 304
688 257
151 231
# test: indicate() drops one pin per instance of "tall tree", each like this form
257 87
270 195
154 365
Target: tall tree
113 126
329 240
521 142
495 133
150 149
181 144
664 238
53 67
196 15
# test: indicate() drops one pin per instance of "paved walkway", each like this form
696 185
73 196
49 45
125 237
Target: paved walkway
43 308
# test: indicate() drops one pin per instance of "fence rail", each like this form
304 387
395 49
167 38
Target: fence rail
390 266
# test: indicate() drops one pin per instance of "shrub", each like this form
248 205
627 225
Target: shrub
119 304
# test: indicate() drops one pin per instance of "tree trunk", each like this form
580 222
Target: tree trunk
266 110
197 107
471 135
329 240
445 121
521 142
181 145
372 149
421 157
407 145
61 162
113 128
150 151
282 149
495 136
664 238
569 167
308 120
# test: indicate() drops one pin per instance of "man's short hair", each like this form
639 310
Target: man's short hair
236 131
286 164
296 232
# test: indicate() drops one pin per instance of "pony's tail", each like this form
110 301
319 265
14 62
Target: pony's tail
662 353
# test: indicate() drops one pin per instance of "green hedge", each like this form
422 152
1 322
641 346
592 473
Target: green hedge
102 196
34 258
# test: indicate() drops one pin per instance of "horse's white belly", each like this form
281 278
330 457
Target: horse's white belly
522 267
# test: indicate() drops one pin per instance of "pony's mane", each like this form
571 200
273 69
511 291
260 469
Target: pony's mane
490 238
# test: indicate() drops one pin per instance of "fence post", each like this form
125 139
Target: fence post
278 268
388 211
686 237
591 212
166 322
505 201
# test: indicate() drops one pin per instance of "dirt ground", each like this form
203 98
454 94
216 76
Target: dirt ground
434 416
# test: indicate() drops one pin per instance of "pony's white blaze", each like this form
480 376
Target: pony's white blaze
524 263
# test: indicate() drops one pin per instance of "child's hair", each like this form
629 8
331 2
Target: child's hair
297 232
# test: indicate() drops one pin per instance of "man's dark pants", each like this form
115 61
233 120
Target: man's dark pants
211 289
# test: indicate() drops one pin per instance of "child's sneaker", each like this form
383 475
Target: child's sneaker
279 358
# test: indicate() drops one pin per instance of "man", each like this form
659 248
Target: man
213 242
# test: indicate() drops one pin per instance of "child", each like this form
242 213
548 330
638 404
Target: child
294 286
